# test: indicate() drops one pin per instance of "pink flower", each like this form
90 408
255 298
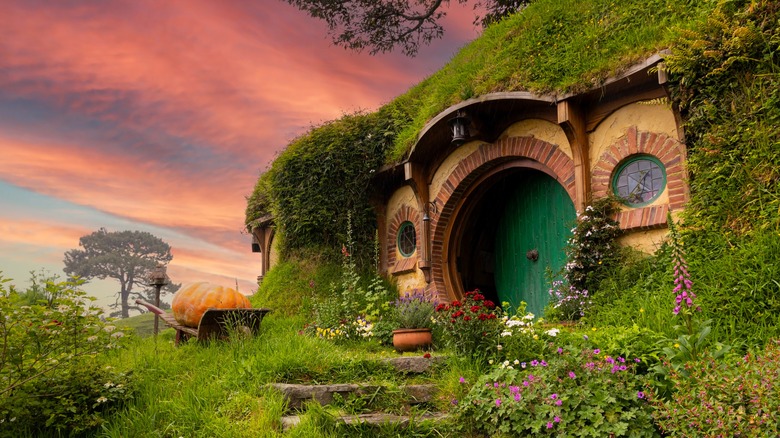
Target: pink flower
498 402
549 425
557 419
572 375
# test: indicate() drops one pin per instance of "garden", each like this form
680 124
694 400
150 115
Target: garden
682 342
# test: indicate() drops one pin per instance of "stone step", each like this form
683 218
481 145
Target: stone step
297 394
414 364
374 418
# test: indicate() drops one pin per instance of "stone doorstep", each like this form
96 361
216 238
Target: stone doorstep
413 364
297 394
375 418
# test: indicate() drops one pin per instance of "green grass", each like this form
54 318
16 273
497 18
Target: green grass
141 325
218 389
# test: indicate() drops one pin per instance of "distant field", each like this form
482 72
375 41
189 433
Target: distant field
142 325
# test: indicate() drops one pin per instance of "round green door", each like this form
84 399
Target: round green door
531 239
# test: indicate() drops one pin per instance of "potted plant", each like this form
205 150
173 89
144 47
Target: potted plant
413 317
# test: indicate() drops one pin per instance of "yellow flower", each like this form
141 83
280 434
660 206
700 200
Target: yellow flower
642 310
594 329
676 345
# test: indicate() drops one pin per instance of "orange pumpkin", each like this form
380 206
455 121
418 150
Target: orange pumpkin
191 301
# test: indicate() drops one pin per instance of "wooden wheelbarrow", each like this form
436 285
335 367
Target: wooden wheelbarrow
214 324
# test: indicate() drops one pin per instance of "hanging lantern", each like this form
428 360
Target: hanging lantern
459 125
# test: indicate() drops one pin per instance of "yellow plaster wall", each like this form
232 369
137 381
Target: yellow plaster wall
404 196
449 165
646 241
541 129
273 255
652 117
406 283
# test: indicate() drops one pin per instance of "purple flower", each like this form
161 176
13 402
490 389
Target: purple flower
596 351
462 380
522 364
572 375
557 419
560 350
621 359
637 360
549 425
543 363
495 384
525 383
609 360
554 396
454 401
534 363
518 397
640 394
498 402
558 402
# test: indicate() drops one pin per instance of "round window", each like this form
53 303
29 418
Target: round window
639 180
407 239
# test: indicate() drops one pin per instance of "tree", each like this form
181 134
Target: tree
127 256
382 25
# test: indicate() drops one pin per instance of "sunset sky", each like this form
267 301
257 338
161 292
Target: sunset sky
159 116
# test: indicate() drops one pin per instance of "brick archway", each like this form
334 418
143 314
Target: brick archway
668 150
526 152
404 214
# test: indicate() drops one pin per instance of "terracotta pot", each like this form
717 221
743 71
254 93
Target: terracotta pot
412 339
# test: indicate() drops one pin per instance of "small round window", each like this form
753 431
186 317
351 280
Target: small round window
407 239
639 180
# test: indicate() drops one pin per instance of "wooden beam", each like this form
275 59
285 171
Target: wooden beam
571 118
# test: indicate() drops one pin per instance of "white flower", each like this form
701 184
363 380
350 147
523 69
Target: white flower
516 362
505 334
109 328
530 316
108 384
552 332
117 335
499 347
102 400
92 339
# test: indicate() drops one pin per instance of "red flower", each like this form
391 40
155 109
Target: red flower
489 304
457 314
475 309
479 297
456 303
467 318
492 316
427 355
442 307
482 317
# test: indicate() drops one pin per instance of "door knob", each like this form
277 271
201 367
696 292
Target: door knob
532 255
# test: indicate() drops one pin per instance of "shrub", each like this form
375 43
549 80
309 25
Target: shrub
520 338
572 394
51 377
591 252
471 326
712 398
414 310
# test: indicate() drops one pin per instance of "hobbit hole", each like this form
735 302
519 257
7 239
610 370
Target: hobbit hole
493 211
